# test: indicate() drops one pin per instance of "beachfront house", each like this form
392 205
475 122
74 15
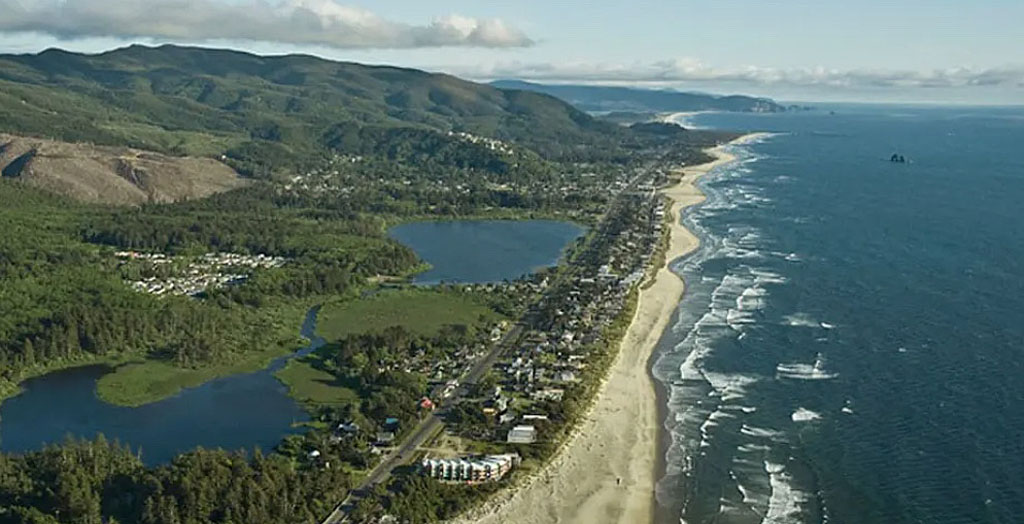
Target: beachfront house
471 470
522 435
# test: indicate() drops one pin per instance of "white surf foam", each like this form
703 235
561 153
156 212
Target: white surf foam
740 407
736 318
786 501
710 423
752 448
766 433
801 371
763 276
800 320
752 298
805 415
729 387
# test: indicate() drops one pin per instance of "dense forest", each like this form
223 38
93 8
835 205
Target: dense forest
99 482
102 482
64 298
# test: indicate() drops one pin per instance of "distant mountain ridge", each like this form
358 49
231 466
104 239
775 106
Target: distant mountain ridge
264 109
627 99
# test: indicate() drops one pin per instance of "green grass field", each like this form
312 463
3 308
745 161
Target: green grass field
422 312
309 384
143 382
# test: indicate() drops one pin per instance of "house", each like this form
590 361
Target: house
565 376
549 394
522 435
385 437
471 470
348 428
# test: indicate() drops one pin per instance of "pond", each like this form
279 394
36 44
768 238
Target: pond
477 251
236 412
252 410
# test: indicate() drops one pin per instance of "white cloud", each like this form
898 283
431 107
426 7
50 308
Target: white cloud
688 70
300 22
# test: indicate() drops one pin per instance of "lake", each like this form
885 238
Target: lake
236 412
477 251
253 410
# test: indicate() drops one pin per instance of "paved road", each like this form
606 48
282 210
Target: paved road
429 426
425 430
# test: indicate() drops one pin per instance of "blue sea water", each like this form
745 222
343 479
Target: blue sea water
850 347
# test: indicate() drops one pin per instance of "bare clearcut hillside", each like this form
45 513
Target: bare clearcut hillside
112 175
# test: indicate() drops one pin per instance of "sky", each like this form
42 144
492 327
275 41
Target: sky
934 51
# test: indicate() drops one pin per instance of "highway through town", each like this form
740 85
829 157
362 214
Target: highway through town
431 425
425 430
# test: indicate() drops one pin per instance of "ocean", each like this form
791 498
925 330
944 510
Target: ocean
850 347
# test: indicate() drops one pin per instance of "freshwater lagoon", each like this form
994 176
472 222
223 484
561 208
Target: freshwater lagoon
477 251
253 410
241 411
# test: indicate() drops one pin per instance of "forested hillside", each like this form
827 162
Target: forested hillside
65 296
265 112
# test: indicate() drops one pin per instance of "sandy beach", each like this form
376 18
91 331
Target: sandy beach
682 118
618 438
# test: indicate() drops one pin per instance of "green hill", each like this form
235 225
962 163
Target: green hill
263 112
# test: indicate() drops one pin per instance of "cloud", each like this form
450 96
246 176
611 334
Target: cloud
301 22
688 70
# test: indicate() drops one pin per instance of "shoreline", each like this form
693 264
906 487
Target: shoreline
607 469
682 117
695 174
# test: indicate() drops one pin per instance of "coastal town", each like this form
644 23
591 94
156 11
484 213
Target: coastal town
518 397
497 399
276 316
348 181
406 262
571 321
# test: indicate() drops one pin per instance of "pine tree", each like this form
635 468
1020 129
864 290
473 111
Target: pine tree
29 350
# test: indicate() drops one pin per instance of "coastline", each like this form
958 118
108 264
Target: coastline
607 470
681 118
